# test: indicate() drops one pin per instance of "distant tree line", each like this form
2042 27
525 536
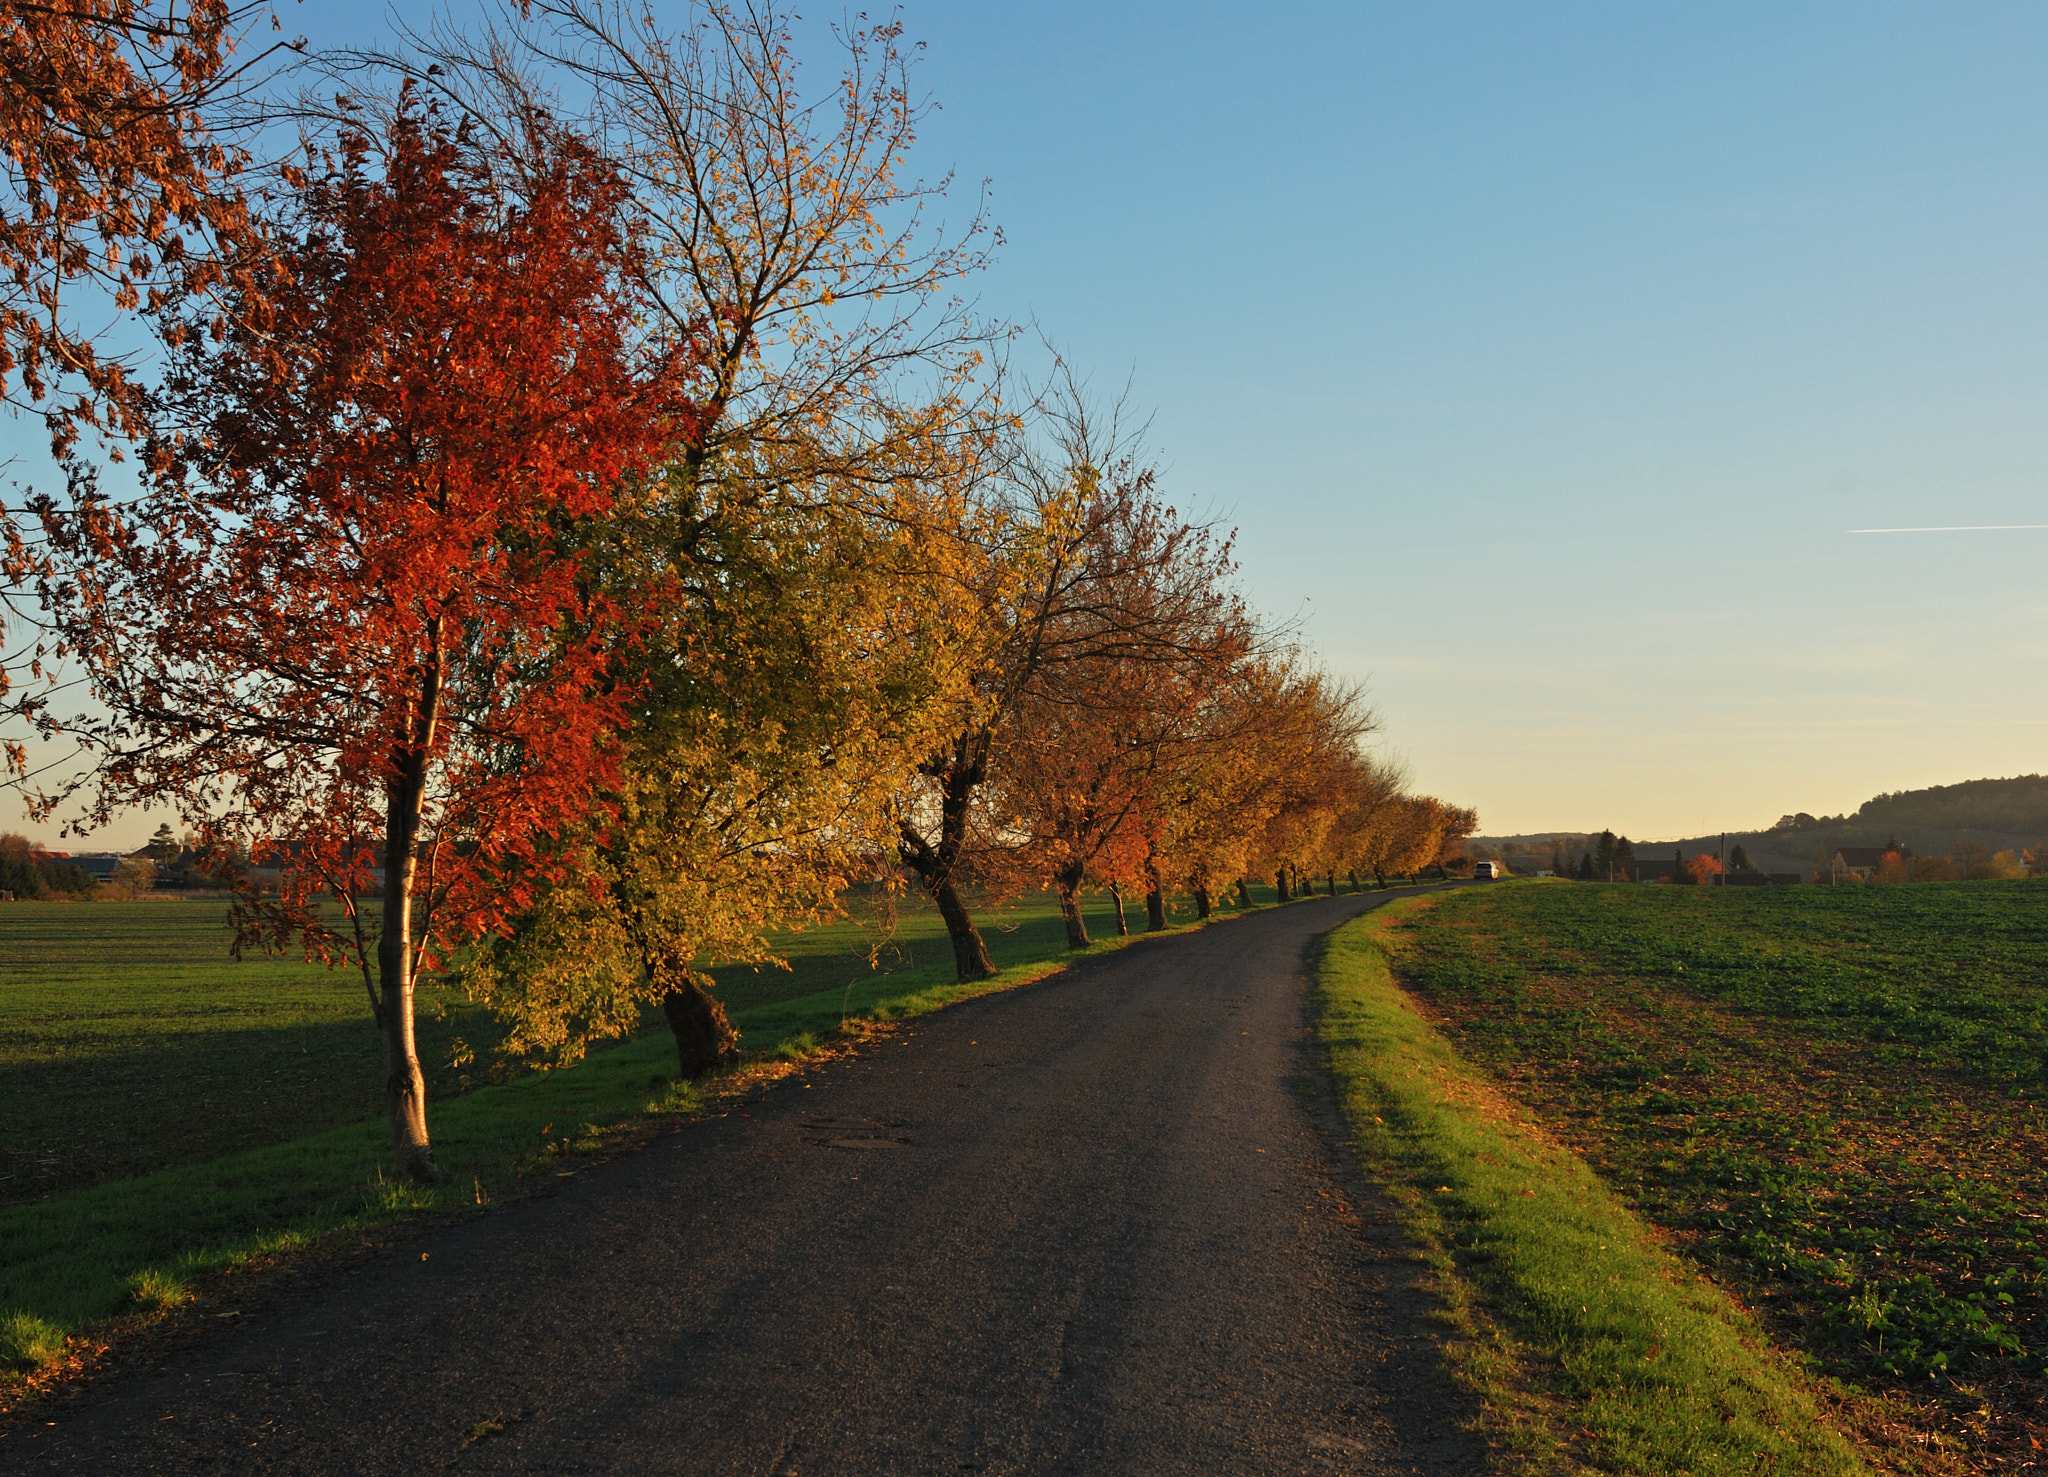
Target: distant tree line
2017 806
26 876
1966 861
1610 858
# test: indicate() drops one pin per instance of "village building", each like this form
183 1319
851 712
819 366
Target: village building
1865 862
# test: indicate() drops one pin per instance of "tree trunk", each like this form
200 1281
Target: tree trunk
1354 883
1280 885
705 1039
1067 882
1116 895
970 954
1244 894
1330 878
1155 905
934 867
405 1085
1202 902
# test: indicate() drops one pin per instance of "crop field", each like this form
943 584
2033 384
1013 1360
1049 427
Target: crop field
1835 1101
130 1040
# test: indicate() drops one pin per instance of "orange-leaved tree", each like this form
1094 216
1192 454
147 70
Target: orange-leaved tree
1424 828
343 625
1089 567
116 195
1309 749
1120 702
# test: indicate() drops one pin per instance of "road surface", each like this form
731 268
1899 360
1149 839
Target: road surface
1090 1226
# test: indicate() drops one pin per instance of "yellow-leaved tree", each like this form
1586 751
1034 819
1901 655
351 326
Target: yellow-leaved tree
795 586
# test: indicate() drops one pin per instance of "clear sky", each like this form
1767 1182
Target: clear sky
1545 356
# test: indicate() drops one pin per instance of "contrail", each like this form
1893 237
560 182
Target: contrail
1957 528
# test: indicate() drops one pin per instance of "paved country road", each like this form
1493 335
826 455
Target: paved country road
1089 1226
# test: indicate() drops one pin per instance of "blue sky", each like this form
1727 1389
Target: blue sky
1545 355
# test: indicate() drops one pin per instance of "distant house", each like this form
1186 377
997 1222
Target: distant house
1864 862
1656 871
1745 877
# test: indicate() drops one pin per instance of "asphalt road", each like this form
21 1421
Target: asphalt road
1094 1226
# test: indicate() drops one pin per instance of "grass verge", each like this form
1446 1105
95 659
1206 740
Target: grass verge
1830 1099
1585 1339
80 1269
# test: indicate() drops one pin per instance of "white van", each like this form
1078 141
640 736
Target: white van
1488 871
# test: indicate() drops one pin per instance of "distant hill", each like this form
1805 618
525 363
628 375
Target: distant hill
2017 806
1995 814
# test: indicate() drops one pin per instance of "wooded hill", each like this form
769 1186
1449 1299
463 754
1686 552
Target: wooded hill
1996 814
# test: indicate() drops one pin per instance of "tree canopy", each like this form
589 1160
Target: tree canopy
583 531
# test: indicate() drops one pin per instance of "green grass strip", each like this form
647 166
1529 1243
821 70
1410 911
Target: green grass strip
1606 1348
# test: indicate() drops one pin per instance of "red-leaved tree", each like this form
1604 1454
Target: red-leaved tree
341 626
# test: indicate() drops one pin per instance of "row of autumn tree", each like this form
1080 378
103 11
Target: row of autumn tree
584 540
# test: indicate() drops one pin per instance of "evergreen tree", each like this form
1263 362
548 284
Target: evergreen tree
27 877
1603 857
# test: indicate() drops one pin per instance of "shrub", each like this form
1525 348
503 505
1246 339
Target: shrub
29 1342
154 1289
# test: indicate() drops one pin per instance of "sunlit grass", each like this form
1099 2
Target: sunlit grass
1831 1096
1585 1338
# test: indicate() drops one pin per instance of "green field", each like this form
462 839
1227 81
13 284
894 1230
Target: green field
131 1042
171 1110
1833 1099
1586 1342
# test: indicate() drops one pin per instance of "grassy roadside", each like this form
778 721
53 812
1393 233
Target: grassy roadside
77 1268
1588 1342
1829 1099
